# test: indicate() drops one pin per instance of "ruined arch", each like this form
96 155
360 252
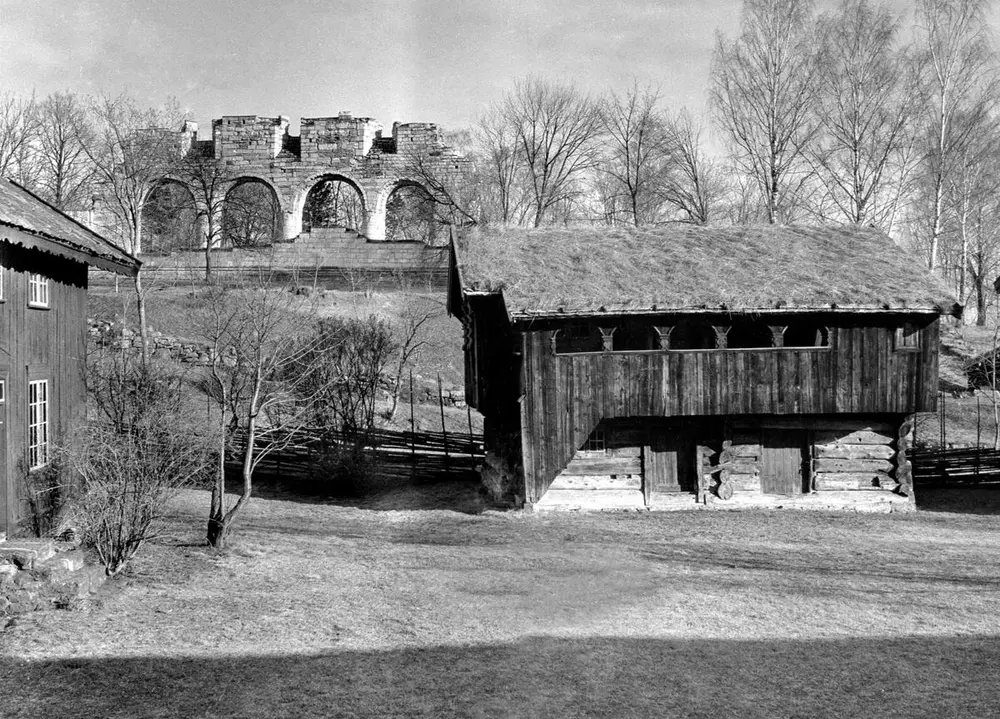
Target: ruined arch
169 218
333 200
411 214
251 213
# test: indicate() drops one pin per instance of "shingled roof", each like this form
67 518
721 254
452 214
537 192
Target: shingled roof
676 268
30 221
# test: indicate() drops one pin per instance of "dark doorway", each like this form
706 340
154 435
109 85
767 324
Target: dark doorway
783 468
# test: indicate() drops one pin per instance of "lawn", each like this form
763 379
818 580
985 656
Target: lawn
382 610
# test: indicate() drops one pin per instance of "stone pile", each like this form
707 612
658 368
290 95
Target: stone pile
42 573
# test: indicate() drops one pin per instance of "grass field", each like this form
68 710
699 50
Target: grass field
381 610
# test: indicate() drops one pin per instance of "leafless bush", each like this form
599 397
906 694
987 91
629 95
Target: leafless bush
126 481
132 456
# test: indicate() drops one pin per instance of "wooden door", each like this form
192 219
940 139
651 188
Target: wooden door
669 466
782 463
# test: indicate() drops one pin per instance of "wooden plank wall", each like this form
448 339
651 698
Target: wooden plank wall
39 344
566 395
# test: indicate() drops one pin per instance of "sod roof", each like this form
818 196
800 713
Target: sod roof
43 227
590 270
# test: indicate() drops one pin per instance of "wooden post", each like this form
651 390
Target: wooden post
721 336
944 436
778 335
472 441
663 336
413 429
444 429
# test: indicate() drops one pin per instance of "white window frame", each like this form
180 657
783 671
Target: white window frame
38 290
38 423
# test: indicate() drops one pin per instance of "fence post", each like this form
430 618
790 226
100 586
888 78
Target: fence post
472 439
413 424
444 429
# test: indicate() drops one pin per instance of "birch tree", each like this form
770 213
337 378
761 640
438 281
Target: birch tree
867 102
763 94
959 81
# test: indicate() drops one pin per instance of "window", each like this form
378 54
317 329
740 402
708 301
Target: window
908 337
596 442
804 334
692 335
38 290
38 423
746 333
578 336
3 391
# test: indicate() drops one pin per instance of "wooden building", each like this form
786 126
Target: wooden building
44 256
682 365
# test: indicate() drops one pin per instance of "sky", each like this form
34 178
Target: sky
438 61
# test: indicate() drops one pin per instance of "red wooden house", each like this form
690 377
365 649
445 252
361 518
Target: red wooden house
44 256
725 366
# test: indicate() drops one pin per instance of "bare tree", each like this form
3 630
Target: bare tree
555 128
959 81
506 193
253 331
972 206
640 149
867 100
131 149
18 136
208 180
691 183
250 215
65 170
763 93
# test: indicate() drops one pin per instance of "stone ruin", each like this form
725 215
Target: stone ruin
353 150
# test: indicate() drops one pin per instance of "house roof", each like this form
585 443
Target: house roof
30 221
686 268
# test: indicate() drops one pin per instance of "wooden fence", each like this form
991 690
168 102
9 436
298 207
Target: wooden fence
937 467
404 455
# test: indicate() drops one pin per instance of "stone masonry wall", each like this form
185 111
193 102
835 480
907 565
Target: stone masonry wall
344 147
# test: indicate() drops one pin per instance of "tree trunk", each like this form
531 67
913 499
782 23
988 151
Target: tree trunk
980 303
140 303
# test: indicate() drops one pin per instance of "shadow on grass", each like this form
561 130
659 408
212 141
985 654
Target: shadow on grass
398 484
535 677
963 500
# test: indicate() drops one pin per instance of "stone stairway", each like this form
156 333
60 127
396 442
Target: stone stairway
42 573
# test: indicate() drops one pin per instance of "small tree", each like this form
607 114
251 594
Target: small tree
254 336
341 373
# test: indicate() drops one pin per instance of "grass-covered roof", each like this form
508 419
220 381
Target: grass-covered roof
590 270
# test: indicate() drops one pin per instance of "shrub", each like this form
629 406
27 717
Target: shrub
132 456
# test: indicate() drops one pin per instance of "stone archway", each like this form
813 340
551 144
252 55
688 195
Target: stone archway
251 214
411 214
334 200
169 219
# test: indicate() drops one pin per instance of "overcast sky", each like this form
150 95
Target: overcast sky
409 60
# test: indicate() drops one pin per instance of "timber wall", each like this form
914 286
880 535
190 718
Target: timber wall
38 344
860 372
